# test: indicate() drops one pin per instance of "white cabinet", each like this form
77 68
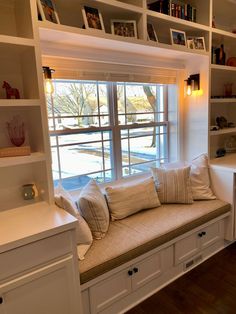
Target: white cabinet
38 262
199 240
127 281
47 290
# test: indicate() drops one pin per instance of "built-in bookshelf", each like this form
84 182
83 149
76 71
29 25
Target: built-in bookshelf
222 72
21 70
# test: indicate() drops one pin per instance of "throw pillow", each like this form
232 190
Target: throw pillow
200 179
84 237
126 200
93 207
173 185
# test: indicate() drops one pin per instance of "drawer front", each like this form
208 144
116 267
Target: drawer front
109 291
146 270
186 248
33 254
212 234
152 267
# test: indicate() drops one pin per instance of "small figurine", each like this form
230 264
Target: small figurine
213 22
10 91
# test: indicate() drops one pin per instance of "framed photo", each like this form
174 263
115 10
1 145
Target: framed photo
126 28
190 43
199 43
92 18
47 11
151 32
178 38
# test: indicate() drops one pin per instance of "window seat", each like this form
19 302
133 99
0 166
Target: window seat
137 234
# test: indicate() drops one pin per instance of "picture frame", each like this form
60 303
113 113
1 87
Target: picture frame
196 43
151 32
178 38
125 28
190 43
47 11
92 18
199 43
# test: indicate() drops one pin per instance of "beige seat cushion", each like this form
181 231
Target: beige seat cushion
126 200
146 230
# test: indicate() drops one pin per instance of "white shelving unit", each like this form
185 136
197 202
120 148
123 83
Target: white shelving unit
222 74
21 68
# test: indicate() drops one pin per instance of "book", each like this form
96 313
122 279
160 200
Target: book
14 151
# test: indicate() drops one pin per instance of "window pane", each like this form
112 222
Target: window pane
140 103
140 146
79 104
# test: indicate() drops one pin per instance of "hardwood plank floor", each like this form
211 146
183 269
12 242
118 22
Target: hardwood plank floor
210 288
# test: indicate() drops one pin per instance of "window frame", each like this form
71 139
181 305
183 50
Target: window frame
114 127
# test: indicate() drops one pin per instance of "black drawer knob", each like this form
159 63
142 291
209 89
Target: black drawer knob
130 272
203 233
135 269
200 234
1 300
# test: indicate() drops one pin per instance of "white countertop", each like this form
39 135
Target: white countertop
30 223
228 162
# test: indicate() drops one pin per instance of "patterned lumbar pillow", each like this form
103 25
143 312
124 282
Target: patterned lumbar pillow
93 207
84 237
126 200
173 185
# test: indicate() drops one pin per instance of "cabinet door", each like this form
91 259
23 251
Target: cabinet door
212 234
48 290
187 247
110 290
146 270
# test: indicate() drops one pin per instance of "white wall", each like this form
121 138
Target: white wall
194 111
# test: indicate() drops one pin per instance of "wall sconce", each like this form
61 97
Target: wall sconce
193 83
48 86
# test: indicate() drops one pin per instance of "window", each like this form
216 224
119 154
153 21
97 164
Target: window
106 130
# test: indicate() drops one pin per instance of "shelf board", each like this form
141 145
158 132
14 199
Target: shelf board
125 6
172 19
5 39
222 67
223 131
67 41
222 32
222 100
20 102
21 160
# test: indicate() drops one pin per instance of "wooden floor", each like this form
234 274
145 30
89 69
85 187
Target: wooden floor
208 289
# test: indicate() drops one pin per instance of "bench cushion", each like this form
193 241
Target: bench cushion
144 231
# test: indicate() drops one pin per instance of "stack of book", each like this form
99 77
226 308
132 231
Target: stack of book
175 8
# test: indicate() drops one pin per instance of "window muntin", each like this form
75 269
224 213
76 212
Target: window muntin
125 130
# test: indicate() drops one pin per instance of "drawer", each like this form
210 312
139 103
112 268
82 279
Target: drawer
152 267
109 291
31 255
199 240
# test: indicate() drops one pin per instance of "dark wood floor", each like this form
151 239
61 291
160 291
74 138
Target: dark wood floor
208 289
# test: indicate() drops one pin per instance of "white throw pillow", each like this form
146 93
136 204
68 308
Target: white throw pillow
126 200
93 207
84 237
200 179
173 185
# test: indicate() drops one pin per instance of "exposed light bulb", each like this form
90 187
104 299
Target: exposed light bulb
48 86
189 90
